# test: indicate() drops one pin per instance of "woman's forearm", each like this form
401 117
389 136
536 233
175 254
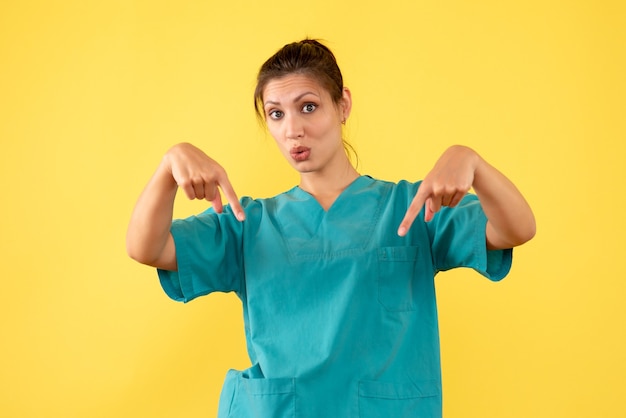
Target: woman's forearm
510 219
148 239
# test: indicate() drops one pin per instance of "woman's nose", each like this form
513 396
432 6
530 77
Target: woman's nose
294 127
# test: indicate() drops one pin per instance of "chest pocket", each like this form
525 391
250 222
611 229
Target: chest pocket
397 267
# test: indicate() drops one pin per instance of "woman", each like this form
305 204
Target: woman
336 275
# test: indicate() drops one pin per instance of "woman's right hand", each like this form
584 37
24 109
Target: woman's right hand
148 239
201 177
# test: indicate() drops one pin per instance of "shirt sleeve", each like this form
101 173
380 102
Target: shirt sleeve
458 240
208 255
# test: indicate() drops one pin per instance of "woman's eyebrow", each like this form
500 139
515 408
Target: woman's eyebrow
295 100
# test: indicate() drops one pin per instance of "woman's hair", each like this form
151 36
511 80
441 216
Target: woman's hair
307 57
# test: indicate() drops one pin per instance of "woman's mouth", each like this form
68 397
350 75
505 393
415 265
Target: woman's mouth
300 153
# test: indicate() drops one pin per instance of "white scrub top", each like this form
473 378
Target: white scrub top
339 311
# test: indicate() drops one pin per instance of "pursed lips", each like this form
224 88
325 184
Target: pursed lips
300 153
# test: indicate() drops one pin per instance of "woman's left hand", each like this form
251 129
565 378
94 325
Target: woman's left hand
445 185
510 220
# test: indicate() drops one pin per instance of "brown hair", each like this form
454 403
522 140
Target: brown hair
308 57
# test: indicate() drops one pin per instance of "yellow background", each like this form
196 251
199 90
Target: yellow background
92 93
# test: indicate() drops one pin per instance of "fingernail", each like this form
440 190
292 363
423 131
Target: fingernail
240 216
401 231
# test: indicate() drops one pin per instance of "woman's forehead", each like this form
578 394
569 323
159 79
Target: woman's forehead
292 86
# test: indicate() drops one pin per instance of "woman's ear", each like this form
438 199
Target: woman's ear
346 104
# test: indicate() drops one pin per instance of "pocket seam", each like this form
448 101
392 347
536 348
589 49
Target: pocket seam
277 386
398 391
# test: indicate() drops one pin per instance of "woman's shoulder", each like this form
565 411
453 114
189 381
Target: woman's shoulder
258 205
289 194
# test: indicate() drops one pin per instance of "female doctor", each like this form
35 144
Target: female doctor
336 275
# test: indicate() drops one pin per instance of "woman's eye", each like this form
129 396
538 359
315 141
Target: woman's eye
309 107
276 114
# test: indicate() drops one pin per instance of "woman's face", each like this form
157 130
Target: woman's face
306 122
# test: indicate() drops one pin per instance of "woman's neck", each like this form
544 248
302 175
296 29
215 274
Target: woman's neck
324 187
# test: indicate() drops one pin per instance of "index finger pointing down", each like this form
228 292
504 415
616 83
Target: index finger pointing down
232 198
411 213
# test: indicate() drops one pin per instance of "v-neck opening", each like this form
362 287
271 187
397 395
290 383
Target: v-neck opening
356 182
341 231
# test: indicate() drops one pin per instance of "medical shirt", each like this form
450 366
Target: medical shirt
339 311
